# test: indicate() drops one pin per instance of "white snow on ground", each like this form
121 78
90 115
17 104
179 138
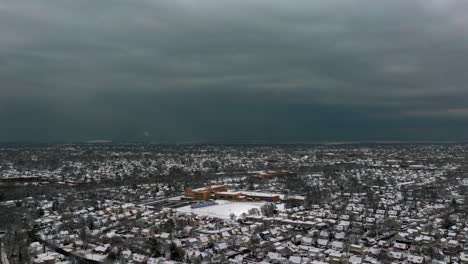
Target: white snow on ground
97 257
223 209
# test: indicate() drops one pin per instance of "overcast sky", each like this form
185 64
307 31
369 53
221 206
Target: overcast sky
243 70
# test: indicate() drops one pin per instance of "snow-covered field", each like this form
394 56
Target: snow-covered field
96 257
223 209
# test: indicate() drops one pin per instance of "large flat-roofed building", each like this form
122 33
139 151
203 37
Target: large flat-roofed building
229 196
258 196
198 195
204 193
217 188
220 192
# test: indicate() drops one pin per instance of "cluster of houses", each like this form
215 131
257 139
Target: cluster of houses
380 205
345 231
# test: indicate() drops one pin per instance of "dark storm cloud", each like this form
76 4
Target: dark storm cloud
233 70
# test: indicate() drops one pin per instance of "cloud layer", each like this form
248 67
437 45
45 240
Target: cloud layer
233 70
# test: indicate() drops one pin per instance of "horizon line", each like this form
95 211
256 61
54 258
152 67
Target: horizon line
231 142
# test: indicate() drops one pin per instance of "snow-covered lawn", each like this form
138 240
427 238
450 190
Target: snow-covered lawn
95 256
223 209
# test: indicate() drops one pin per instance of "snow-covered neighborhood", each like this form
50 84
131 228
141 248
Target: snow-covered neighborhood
294 204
